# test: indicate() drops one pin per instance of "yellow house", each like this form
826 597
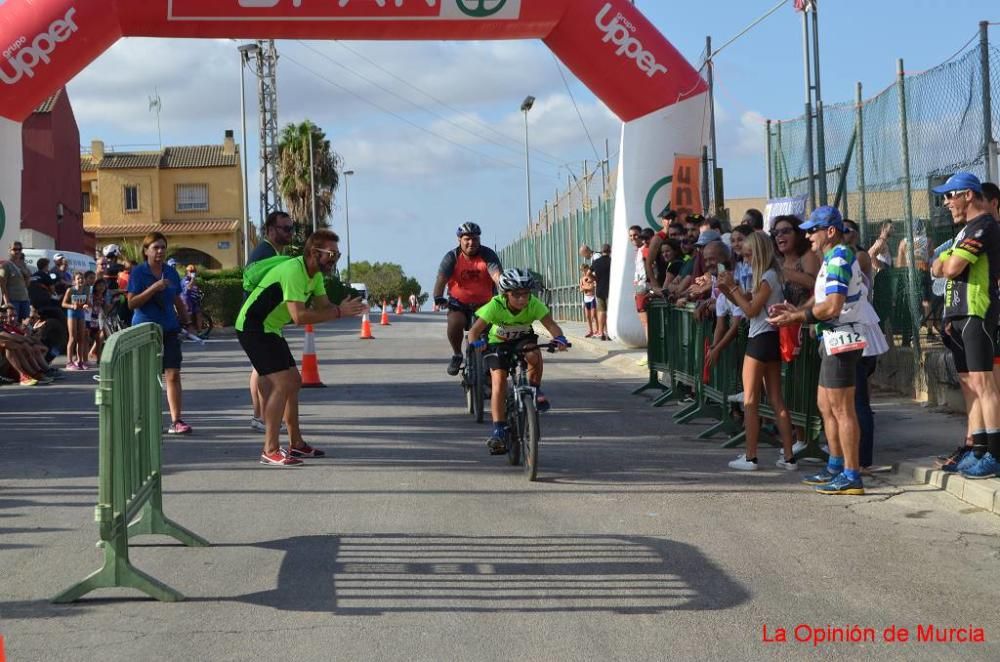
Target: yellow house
193 195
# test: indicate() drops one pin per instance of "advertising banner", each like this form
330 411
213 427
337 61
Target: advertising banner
686 186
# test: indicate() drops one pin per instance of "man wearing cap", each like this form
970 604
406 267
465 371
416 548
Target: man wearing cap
62 269
844 319
601 271
972 267
14 277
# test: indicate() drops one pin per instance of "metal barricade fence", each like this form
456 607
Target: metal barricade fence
130 493
677 348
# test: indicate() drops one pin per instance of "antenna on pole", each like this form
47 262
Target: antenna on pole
156 105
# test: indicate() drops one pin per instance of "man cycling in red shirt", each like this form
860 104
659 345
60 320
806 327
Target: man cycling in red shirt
471 273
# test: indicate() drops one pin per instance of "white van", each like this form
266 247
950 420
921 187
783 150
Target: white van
77 261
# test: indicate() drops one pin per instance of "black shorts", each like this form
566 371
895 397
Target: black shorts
172 350
268 352
498 357
971 341
469 310
764 347
838 370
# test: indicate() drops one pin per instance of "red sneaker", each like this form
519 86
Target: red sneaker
279 459
305 451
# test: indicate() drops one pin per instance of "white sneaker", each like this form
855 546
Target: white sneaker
743 464
787 466
737 398
258 425
797 448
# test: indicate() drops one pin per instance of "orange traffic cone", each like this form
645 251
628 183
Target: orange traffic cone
399 306
385 316
366 328
310 367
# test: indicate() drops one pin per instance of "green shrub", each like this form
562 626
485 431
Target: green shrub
223 299
220 274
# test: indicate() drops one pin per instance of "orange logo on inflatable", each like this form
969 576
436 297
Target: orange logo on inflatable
333 10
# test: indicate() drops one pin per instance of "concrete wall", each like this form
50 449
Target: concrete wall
225 192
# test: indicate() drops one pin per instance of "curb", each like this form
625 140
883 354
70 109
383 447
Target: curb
983 494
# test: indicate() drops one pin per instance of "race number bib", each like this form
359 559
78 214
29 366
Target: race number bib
844 339
510 332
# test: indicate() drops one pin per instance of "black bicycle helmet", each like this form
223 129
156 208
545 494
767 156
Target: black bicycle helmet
517 279
468 228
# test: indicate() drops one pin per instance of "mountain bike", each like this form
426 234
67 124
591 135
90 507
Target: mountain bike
522 413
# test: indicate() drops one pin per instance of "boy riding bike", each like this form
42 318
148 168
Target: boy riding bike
511 314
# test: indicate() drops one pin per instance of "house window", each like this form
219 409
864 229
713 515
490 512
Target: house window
85 202
192 197
131 198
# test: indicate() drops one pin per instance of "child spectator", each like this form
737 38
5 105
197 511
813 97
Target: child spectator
588 286
100 305
76 302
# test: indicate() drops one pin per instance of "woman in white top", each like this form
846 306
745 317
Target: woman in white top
762 364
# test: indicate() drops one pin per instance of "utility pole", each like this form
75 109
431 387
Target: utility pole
711 128
266 59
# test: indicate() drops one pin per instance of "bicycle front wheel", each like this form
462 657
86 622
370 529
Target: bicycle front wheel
532 435
477 386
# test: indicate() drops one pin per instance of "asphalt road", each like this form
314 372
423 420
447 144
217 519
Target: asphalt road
411 543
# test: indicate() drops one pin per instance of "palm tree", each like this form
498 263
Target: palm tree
293 173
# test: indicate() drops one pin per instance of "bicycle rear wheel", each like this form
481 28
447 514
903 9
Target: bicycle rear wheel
531 437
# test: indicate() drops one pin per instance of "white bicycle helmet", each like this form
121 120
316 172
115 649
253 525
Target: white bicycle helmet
111 249
517 279
468 228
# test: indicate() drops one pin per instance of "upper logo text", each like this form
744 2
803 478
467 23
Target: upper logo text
22 58
619 31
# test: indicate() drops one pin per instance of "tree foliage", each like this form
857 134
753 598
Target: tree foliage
385 280
293 173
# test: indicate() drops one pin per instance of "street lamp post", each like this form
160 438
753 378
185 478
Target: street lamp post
312 179
526 105
246 50
347 224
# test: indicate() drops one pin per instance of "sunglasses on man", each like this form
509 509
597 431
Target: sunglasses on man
950 195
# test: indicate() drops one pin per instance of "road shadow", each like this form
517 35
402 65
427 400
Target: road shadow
374 574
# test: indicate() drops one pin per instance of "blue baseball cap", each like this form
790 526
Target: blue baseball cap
824 217
960 181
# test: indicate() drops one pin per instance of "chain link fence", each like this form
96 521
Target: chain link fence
550 247
883 156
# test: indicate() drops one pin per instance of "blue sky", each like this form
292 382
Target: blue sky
434 132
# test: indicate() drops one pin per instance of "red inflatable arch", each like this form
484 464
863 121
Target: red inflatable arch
608 44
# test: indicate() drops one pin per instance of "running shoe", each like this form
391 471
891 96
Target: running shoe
821 478
841 484
497 445
542 403
455 365
743 464
590 335
259 425
72 367
985 467
958 457
967 461
179 427
279 459
787 465
305 450
29 381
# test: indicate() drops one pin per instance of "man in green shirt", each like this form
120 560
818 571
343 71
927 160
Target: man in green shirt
292 292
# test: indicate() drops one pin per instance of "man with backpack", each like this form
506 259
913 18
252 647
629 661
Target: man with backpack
279 296
279 229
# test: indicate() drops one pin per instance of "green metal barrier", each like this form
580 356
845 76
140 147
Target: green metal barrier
656 348
677 348
129 399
